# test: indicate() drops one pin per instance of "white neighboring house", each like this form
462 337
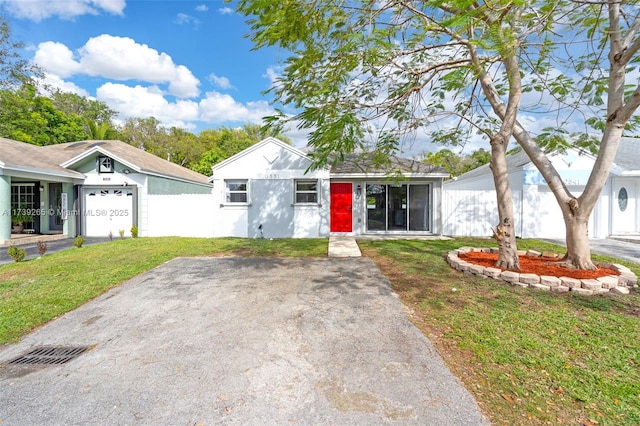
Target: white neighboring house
268 191
470 206
95 188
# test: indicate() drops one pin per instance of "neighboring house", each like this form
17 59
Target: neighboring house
470 206
268 190
95 188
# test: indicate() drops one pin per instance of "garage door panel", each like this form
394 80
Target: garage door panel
108 210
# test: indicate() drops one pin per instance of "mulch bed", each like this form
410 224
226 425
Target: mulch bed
537 265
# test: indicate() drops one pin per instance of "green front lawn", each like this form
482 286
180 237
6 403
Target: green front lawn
39 290
528 356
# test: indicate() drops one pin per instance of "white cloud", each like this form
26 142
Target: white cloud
183 18
37 10
225 11
118 58
56 58
221 82
219 108
54 82
141 101
215 108
202 8
272 74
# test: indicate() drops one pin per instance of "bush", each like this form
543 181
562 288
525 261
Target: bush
42 247
121 232
79 241
134 231
16 253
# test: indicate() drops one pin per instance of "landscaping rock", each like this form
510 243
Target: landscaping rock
550 281
560 289
529 278
570 282
591 284
510 276
492 272
533 253
620 290
609 281
540 287
582 291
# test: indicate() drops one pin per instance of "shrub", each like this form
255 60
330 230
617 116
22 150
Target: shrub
134 231
110 236
42 247
79 241
16 253
121 232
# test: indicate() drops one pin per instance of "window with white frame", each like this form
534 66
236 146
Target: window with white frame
306 191
236 191
105 165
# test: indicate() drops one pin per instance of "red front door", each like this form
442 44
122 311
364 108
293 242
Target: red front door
341 206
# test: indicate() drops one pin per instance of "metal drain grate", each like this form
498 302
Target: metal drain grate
52 355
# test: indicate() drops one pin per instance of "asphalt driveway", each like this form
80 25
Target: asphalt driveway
239 341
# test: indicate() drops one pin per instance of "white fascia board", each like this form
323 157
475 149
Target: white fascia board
257 146
98 150
32 170
149 173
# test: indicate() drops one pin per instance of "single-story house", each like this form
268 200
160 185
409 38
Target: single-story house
95 188
470 206
268 190
100 188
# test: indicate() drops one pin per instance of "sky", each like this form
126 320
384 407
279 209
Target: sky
186 63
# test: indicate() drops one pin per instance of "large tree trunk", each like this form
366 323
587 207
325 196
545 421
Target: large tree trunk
504 231
578 250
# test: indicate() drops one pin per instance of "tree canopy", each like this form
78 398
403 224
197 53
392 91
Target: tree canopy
370 74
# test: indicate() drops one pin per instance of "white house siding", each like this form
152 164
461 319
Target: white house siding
270 169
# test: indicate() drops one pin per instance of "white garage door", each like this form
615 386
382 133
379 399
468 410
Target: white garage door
108 210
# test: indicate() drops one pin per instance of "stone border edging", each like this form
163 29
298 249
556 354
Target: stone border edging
610 283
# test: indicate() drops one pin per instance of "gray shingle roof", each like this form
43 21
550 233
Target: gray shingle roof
144 161
14 154
628 155
364 163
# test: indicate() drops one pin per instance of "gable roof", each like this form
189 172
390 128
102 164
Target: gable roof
514 161
69 154
627 159
363 164
628 155
257 146
21 156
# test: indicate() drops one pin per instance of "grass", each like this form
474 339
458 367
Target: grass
34 292
529 357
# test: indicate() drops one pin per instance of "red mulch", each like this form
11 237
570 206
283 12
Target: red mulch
537 265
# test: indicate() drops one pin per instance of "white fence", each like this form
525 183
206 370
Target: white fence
184 215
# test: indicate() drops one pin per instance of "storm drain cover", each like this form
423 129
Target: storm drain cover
52 355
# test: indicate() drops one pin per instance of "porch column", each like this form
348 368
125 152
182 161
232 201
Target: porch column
69 224
5 208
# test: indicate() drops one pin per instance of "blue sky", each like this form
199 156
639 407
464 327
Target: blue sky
184 62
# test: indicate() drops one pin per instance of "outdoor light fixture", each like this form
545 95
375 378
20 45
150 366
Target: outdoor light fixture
358 190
